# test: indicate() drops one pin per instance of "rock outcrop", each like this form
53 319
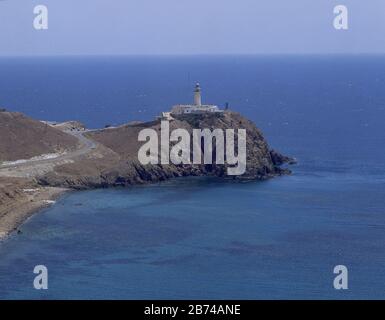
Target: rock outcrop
116 162
104 158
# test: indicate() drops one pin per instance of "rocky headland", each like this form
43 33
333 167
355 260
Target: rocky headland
84 159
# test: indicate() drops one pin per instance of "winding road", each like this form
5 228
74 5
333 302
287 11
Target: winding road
86 146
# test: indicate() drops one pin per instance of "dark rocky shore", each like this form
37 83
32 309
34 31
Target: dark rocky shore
117 163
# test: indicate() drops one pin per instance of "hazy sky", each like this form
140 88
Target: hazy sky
191 27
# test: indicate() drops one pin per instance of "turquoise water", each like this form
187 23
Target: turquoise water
207 238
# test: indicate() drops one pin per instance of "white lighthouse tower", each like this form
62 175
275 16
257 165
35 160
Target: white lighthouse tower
197 107
197 95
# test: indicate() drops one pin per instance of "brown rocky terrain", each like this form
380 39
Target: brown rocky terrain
23 138
19 198
118 164
104 158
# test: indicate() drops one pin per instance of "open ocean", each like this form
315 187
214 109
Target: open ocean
198 238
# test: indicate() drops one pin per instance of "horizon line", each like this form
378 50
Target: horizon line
192 54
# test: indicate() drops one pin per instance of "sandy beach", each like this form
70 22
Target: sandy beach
24 203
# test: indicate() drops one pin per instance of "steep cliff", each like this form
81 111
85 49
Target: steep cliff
116 163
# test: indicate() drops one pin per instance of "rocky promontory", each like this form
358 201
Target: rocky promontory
40 160
117 163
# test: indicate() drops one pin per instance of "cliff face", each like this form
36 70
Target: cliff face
116 163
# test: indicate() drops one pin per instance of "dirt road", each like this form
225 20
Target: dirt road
30 168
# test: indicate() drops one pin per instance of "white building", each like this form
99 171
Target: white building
197 107
165 116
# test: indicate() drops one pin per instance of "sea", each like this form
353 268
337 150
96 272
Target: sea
206 238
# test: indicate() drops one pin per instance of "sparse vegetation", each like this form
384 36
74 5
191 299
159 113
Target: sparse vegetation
24 138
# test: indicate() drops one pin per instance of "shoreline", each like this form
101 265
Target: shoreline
14 215
109 158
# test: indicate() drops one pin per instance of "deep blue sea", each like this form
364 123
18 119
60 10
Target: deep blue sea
197 238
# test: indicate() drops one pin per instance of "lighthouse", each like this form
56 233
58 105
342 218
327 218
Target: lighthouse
197 107
197 95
